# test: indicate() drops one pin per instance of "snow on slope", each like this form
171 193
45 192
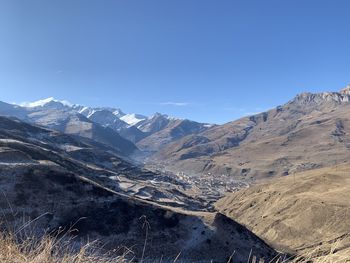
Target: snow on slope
133 119
119 113
87 111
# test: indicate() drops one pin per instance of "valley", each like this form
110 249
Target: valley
206 190
106 198
184 131
208 187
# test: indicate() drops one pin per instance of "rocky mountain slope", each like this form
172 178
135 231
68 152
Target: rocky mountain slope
310 131
307 213
59 116
68 119
154 123
38 167
173 131
104 123
106 118
7 109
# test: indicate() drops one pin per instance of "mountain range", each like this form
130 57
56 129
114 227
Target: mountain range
103 124
67 182
292 137
110 169
310 131
275 140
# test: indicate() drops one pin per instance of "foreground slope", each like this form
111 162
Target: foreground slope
310 131
306 212
44 178
99 213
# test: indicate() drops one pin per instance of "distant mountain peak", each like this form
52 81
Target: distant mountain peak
158 114
45 102
119 113
133 118
164 116
323 97
346 90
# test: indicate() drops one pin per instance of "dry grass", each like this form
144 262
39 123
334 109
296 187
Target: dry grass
50 250
53 250
19 246
301 213
331 257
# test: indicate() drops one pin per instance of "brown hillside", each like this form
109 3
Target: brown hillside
310 131
302 213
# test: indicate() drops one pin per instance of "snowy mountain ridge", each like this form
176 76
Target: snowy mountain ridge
131 119
44 102
109 122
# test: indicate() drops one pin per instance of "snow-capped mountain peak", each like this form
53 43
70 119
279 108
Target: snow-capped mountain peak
165 116
87 111
346 90
44 102
119 113
133 119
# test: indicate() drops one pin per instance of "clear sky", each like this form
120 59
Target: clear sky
207 60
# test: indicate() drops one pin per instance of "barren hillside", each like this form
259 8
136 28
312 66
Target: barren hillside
306 212
308 132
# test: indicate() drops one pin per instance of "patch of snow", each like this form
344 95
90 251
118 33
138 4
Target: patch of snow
87 111
91 113
69 148
165 116
133 119
83 109
119 113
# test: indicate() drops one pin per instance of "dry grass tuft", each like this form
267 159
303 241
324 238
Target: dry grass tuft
21 247
53 250
50 250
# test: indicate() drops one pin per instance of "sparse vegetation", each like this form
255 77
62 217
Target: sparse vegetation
307 213
19 244
50 250
53 250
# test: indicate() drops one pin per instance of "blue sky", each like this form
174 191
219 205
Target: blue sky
210 61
